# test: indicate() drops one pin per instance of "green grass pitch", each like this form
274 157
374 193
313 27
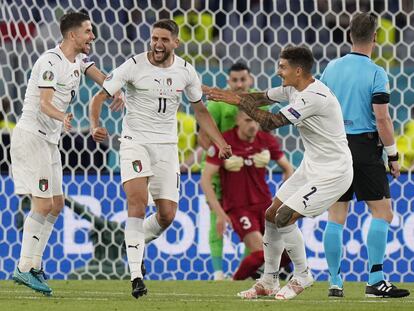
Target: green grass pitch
187 295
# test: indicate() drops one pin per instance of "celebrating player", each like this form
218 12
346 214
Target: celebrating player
323 176
155 81
35 156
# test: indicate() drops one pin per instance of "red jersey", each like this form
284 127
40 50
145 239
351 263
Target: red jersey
246 188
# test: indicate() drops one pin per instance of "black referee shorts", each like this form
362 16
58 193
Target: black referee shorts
370 177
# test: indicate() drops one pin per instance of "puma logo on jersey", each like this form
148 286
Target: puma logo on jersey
35 237
158 81
51 63
133 246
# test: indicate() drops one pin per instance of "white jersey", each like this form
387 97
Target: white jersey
153 95
51 70
316 113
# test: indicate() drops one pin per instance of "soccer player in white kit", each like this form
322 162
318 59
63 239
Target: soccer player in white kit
35 156
323 176
154 82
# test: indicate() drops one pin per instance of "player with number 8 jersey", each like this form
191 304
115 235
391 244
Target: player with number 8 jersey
154 83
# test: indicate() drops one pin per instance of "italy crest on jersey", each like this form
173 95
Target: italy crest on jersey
137 165
169 81
43 184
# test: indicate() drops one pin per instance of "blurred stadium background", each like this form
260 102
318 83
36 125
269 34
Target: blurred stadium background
87 240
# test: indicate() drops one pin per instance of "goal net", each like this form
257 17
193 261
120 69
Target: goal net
88 240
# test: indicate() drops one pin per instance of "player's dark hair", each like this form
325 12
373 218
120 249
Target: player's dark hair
169 25
72 20
300 56
363 27
239 66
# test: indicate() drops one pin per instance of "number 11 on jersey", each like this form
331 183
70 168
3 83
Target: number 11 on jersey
162 104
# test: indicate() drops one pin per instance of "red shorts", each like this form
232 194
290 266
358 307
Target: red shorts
245 221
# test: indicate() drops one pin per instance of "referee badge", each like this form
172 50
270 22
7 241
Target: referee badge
43 184
137 165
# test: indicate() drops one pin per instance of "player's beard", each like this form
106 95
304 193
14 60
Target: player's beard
163 59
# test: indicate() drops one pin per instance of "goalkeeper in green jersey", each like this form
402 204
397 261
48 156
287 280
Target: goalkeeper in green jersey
240 81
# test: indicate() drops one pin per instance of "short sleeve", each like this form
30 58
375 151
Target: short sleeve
381 87
118 77
193 88
213 156
304 106
48 72
274 147
279 94
85 63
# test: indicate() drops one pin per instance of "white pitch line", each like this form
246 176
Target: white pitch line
158 294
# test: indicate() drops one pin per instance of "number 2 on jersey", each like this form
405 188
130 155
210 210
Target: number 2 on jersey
162 104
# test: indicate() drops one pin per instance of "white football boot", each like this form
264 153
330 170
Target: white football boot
295 286
260 289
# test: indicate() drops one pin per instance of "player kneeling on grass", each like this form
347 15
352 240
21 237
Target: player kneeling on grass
323 176
246 196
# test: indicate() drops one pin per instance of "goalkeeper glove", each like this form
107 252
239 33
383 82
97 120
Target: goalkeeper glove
261 159
234 163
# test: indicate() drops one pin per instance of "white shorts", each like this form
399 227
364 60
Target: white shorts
159 162
36 165
311 195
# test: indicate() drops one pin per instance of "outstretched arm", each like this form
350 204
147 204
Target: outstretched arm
249 103
233 98
267 120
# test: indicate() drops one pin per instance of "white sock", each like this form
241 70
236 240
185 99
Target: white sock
44 238
135 244
32 229
152 228
295 247
273 247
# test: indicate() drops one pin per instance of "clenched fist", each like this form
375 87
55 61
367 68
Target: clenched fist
99 134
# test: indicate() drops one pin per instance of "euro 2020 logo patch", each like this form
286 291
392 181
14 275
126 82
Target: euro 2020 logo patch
48 76
43 184
137 165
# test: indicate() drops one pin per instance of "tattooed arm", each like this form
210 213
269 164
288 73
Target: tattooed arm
249 103
260 98
267 120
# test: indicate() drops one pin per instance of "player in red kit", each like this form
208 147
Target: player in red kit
246 195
